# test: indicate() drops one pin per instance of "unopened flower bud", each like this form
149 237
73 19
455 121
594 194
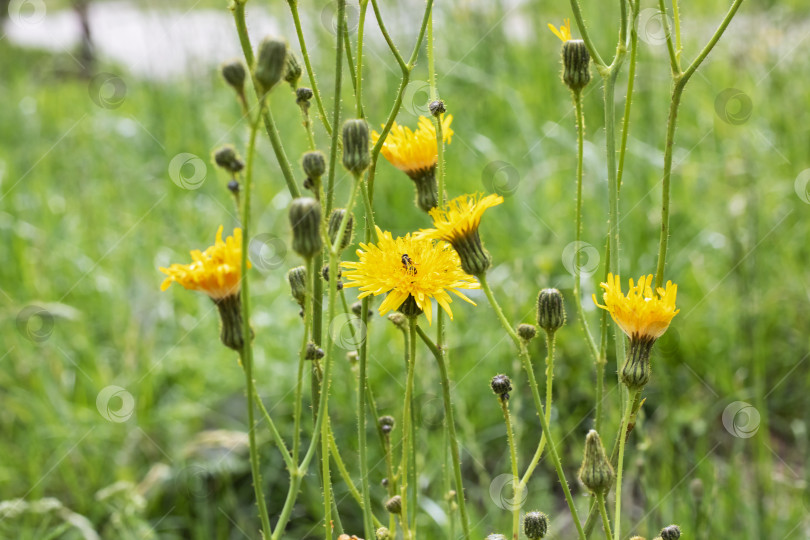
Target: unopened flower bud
271 63
527 332
314 352
398 319
636 370
437 108
230 315
501 385
576 64
335 219
671 532
550 310
394 504
292 72
596 472
535 525
302 97
234 74
386 424
314 164
383 534
233 187
226 157
356 150
298 284
305 219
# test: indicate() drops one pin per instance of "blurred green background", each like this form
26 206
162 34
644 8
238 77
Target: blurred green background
121 413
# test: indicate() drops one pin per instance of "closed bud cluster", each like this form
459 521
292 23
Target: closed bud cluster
298 284
302 97
596 472
314 352
292 72
335 219
305 219
383 534
271 63
234 74
226 157
394 504
325 274
550 310
398 319
386 424
501 385
437 108
671 532
356 149
527 332
576 64
535 525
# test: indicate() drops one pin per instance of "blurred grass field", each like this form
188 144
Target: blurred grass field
88 212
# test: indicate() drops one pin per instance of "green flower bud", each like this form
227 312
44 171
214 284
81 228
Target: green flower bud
636 370
305 219
334 227
356 150
501 385
314 352
292 73
298 284
671 532
394 504
596 472
383 534
271 63
437 108
535 525
314 164
230 315
576 64
398 319
527 332
386 424
234 74
550 310
226 157
427 188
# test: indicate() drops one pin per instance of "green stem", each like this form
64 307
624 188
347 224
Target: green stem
302 360
585 36
359 77
406 429
451 427
673 56
402 65
310 73
620 465
628 102
347 477
713 41
513 458
538 403
600 501
330 185
676 15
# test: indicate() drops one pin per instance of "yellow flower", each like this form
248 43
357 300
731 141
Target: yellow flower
408 267
414 152
642 314
564 33
217 271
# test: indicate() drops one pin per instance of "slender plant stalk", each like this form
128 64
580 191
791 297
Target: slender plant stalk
600 502
359 76
330 182
406 428
517 488
617 524
628 101
451 427
302 360
538 403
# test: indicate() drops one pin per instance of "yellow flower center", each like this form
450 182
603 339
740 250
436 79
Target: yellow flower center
414 151
642 313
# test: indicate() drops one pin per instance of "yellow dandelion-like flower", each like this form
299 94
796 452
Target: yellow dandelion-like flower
458 223
642 314
217 271
564 33
414 152
406 268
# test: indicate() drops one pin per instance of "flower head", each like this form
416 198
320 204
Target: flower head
643 314
564 33
406 268
414 152
217 271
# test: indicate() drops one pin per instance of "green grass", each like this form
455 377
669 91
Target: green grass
88 212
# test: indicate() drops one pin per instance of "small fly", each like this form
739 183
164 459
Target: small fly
408 264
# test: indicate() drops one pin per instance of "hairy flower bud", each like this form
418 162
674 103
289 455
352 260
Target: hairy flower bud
383 534
298 284
314 164
671 532
386 424
394 504
596 472
427 188
501 385
234 74
550 310
226 157
398 319
356 149
292 72
334 227
437 108
535 525
271 63
230 315
314 352
527 332
305 219
576 64
636 370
